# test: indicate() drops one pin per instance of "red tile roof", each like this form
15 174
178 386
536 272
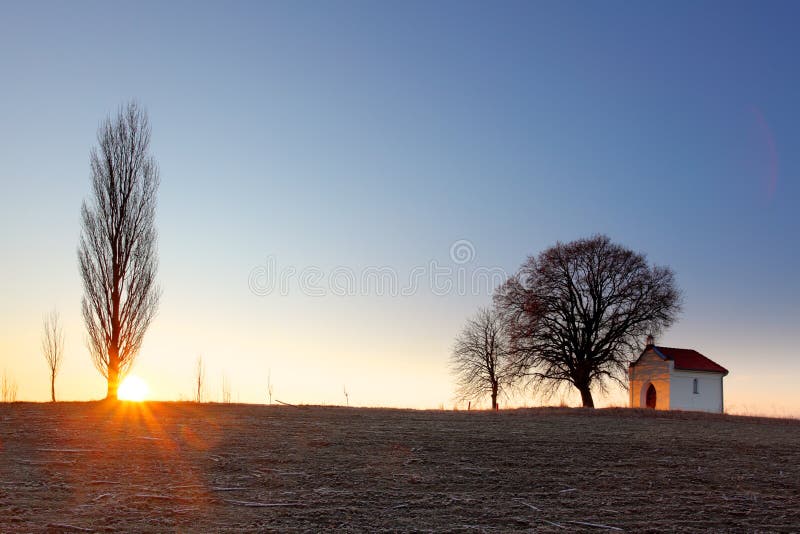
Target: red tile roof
690 360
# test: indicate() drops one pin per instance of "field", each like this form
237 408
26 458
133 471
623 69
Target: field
80 467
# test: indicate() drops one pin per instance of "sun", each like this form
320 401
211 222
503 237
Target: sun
132 388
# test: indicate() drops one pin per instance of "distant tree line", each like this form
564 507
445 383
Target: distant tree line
574 316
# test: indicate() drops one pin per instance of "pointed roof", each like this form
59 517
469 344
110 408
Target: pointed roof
686 359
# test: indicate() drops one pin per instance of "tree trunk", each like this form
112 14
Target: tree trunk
494 398
53 386
586 396
113 385
113 378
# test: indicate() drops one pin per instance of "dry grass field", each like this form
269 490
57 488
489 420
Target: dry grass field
156 467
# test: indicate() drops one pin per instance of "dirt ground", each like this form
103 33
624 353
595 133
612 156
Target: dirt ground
155 467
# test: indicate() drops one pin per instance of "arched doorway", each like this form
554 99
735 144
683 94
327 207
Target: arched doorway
650 401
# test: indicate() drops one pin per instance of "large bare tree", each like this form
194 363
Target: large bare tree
579 312
117 252
481 360
53 347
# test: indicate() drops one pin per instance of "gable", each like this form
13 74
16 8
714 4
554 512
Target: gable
650 364
649 356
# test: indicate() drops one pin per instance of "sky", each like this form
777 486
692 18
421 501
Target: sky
310 151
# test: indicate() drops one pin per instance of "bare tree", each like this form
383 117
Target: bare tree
8 388
117 252
346 395
226 389
481 360
270 390
53 347
200 379
578 313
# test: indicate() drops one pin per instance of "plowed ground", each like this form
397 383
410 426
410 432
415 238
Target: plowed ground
158 467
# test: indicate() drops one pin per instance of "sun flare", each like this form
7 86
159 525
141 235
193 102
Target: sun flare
132 388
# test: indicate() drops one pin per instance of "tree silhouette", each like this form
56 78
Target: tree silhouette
226 389
200 378
8 388
53 347
117 251
481 360
578 313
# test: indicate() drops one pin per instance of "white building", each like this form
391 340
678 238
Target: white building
676 379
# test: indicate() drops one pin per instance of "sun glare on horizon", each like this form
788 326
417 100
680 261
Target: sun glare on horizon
132 388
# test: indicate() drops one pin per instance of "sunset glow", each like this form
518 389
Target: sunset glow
393 266
133 388
382 179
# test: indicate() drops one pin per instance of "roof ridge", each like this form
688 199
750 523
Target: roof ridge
676 348
697 361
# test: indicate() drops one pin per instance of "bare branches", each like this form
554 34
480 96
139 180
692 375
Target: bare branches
578 313
117 253
226 389
53 347
481 359
8 388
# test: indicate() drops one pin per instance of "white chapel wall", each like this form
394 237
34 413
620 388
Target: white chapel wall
709 391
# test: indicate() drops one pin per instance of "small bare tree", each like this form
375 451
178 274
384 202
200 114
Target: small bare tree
53 347
226 389
270 390
200 378
481 359
8 388
117 251
346 396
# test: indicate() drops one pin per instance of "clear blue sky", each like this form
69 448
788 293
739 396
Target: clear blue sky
364 133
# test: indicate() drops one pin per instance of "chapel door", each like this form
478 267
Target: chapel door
651 396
